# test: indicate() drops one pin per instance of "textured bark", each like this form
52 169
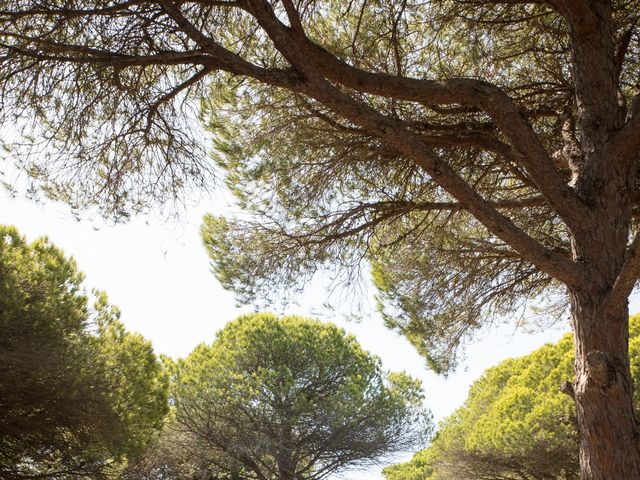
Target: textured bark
603 392
286 466
603 389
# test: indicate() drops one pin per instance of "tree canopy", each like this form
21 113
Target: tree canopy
477 153
78 394
284 398
515 424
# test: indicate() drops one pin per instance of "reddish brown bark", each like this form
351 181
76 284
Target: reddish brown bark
603 392
603 388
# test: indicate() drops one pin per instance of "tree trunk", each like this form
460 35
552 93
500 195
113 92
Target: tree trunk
287 473
603 388
603 392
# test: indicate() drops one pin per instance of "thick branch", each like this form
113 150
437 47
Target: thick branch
622 47
526 148
475 93
531 153
230 61
52 51
411 145
625 145
210 54
628 275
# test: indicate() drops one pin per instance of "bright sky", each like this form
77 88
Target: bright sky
158 273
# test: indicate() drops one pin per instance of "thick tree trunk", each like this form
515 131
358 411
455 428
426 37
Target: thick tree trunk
603 392
603 388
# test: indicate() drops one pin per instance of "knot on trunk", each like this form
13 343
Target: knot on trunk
598 369
567 388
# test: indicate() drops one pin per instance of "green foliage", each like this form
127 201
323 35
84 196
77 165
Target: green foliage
79 394
515 423
138 383
285 398
421 467
323 192
340 178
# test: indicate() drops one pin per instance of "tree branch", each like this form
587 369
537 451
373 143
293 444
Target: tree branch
174 92
411 145
54 51
229 61
628 276
625 144
211 54
531 153
622 47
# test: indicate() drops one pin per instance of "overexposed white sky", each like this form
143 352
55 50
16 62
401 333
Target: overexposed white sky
158 273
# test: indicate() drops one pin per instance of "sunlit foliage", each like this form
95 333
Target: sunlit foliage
283 398
515 424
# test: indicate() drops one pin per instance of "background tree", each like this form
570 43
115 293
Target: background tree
515 424
176 454
477 152
287 399
78 394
